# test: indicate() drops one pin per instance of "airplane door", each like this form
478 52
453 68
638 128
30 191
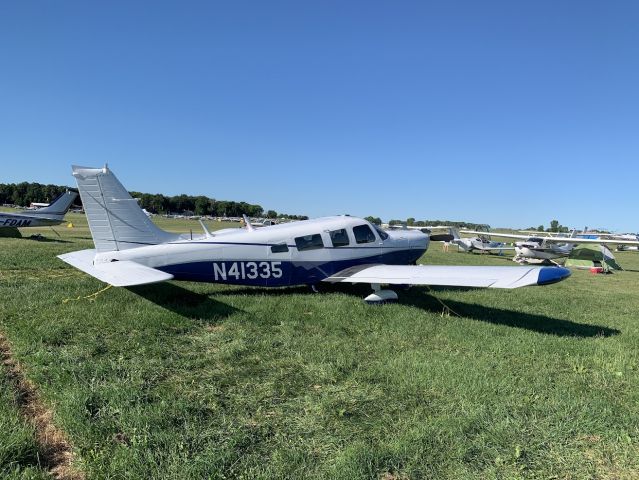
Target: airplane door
369 246
279 259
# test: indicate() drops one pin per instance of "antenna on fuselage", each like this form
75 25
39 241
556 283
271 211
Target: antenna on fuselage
206 230
247 222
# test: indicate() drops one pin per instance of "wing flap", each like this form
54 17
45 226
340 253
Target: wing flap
119 274
454 276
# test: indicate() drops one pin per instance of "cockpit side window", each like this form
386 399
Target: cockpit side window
363 234
309 242
339 238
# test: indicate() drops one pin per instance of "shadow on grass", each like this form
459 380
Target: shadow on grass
419 298
43 239
189 304
528 321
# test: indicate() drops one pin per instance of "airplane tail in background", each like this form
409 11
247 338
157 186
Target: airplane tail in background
116 220
58 207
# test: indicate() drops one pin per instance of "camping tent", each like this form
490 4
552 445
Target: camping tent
587 256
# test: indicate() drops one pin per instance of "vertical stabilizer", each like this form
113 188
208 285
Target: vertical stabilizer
58 207
116 220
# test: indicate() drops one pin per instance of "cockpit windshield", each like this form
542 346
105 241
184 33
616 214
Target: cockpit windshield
382 234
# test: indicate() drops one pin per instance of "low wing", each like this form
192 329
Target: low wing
119 274
456 276
477 247
574 240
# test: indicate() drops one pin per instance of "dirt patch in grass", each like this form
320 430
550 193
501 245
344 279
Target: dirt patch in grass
55 451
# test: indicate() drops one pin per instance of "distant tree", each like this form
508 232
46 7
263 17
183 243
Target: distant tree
271 214
202 205
395 222
374 220
554 226
540 228
410 221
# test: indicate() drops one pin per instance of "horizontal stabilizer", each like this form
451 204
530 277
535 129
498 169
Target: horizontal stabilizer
454 276
119 274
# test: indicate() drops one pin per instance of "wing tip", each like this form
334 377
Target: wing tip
550 275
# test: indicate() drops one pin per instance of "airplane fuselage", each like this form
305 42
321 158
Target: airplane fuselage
539 251
296 253
18 220
476 244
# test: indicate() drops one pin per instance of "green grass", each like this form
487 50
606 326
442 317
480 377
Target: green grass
185 380
19 458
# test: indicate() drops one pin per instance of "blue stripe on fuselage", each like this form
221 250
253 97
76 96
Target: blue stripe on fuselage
242 272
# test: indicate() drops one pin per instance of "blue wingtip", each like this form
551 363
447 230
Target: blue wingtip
548 275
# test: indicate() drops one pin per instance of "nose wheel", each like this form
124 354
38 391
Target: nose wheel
379 296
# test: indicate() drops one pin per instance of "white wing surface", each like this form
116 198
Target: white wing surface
456 276
481 247
119 274
574 240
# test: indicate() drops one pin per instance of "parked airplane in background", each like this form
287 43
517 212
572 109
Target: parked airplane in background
550 248
131 250
466 244
43 217
478 243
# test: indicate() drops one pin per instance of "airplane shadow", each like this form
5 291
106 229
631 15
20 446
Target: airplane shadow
420 298
189 304
46 239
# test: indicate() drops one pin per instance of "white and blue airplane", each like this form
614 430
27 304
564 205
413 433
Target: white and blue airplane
131 250
43 217
552 248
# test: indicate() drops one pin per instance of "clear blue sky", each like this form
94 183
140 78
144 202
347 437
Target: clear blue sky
503 112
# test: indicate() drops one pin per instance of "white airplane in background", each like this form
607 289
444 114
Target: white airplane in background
131 250
43 217
467 244
478 243
551 248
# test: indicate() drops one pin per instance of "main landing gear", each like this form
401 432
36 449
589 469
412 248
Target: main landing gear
379 296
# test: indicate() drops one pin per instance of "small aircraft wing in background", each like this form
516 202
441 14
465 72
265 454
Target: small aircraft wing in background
478 246
574 240
453 276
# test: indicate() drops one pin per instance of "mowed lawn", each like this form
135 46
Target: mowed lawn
186 380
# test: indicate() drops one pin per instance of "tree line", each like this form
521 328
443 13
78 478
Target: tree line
25 193
555 227
411 222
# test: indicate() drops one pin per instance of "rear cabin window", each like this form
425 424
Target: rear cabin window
339 238
279 248
363 234
309 242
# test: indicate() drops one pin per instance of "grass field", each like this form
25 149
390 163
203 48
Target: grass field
185 380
